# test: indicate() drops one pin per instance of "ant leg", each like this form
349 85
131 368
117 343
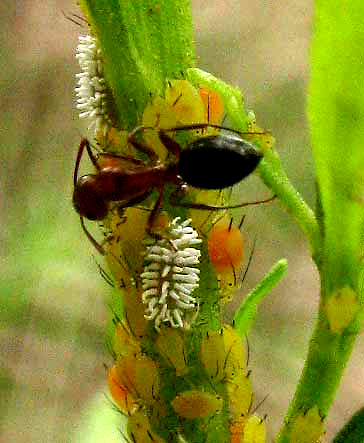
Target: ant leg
153 216
172 146
97 245
84 143
204 207
142 146
128 158
211 125
91 155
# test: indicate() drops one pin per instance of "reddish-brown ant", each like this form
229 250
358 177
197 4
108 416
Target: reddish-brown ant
211 162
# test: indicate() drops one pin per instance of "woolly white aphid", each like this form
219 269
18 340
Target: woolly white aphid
91 88
170 276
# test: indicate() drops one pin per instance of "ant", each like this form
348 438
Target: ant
211 162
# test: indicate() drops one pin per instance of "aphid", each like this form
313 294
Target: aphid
124 342
120 394
222 354
214 108
139 374
140 429
240 392
170 276
225 246
248 430
196 404
171 345
254 430
307 427
185 101
213 162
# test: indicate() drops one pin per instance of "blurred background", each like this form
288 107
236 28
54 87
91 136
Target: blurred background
54 304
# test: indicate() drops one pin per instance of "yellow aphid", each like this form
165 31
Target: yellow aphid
159 115
222 354
254 430
240 394
124 247
196 404
121 396
308 427
116 141
341 309
124 342
140 429
227 282
171 345
134 313
139 374
264 140
186 102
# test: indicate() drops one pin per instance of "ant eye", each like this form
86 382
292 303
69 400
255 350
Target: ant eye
87 201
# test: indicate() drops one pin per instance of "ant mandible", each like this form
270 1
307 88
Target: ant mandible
210 162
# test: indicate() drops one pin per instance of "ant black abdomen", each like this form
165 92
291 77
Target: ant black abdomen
218 161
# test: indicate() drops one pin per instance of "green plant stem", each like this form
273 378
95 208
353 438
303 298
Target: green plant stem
274 176
245 315
336 104
143 44
324 366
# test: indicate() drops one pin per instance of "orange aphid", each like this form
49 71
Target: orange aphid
226 246
121 396
214 107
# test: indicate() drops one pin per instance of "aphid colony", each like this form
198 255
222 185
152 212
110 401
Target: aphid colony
135 383
212 160
180 149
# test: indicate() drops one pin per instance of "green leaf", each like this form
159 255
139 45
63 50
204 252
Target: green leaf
353 431
245 315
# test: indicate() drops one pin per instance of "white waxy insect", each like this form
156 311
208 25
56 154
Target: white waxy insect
91 90
170 276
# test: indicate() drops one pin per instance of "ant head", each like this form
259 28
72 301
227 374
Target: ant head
87 199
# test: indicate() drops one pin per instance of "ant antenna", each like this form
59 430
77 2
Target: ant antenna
76 19
247 350
202 206
108 279
96 245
